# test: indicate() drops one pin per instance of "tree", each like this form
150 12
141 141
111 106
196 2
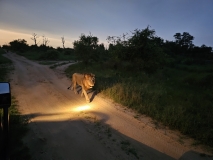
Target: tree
34 38
184 41
6 47
85 47
143 50
141 43
177 38
45 41
201 53
187 40
63 41
206 49
19 45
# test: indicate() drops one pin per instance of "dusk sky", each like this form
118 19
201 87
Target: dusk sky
19 19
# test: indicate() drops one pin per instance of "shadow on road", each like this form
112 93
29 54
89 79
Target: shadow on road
192 155
97 140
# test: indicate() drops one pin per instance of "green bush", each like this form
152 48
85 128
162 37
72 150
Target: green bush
201 80
2 51
68 51
4 63
50 55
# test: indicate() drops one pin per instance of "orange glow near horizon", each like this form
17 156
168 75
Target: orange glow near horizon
9 36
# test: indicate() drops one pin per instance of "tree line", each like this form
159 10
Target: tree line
141 50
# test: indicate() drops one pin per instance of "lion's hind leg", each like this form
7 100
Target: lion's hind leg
74 87
73 84
82 93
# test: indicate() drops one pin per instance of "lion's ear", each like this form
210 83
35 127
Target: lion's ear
92 75
86 75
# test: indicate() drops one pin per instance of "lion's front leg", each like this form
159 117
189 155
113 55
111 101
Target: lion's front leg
85 94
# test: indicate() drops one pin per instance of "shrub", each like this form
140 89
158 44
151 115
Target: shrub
50 55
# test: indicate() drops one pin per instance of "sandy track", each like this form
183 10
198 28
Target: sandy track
64 127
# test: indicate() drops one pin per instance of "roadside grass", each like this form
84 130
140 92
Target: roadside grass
4 60
48 55
32 55
2 51
47 62
4 63
58 64
54 64
17 123
179 98
65 57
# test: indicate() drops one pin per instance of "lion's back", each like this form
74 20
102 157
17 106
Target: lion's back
77 78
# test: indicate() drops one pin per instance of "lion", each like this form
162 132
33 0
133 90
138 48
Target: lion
86 81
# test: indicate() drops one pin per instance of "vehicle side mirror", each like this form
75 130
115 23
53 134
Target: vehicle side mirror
5 95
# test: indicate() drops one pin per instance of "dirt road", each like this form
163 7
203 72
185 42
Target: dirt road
64 127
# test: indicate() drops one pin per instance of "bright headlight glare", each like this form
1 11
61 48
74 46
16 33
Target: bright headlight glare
81 108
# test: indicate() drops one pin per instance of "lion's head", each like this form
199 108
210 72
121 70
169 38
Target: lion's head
90 79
